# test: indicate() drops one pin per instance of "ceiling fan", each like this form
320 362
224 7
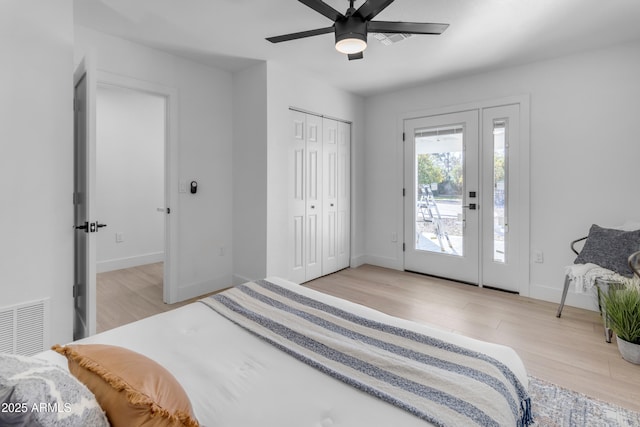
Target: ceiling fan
352 27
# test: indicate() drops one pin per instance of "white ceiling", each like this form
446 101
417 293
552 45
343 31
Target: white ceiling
483 35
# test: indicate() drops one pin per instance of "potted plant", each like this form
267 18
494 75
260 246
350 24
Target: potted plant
622 307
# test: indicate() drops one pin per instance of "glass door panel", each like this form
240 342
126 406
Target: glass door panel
500 186
440 181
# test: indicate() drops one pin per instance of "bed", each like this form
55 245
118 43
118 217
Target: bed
236 374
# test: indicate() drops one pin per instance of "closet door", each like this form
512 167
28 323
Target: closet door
296 197
313 198
319 196
330 196
343 236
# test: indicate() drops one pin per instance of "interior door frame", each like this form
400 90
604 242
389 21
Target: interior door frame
523 167
170 288
84 153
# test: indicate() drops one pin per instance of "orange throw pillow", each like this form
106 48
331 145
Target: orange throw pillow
131 388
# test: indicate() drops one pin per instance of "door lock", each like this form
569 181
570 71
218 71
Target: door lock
84 227
471 206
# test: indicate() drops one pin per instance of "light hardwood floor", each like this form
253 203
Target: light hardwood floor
570 351
124 296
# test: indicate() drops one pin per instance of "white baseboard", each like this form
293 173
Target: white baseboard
357 260
134 261
385 262
586 301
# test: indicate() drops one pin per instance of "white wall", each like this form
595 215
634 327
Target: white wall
250 173
130 146
294 88
36 164
205 152
584 152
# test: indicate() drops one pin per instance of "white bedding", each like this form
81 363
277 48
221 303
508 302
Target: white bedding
236 379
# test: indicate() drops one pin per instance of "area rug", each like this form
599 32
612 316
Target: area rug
555 406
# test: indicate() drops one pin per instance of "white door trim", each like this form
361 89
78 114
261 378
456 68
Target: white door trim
524 169
170 288
85 285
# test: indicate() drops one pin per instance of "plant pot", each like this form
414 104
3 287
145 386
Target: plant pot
629 351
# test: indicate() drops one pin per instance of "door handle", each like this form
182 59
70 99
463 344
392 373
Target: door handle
471 206
90 227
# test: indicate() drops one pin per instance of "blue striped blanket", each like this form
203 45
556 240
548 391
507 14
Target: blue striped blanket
442 383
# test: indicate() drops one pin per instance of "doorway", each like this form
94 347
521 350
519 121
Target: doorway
130 192
462 203
87 79
130 163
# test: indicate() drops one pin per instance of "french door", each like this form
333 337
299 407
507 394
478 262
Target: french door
459 205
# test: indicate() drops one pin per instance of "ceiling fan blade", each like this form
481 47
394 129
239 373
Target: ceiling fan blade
406 27
353 56
323 9
371 8
300 35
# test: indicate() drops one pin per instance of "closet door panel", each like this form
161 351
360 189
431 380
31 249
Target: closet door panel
296 195
313 197
330 196
298 243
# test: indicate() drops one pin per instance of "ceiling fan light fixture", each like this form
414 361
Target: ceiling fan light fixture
351 45
351 36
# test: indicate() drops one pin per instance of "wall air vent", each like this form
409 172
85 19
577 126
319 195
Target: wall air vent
389 39
23 329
